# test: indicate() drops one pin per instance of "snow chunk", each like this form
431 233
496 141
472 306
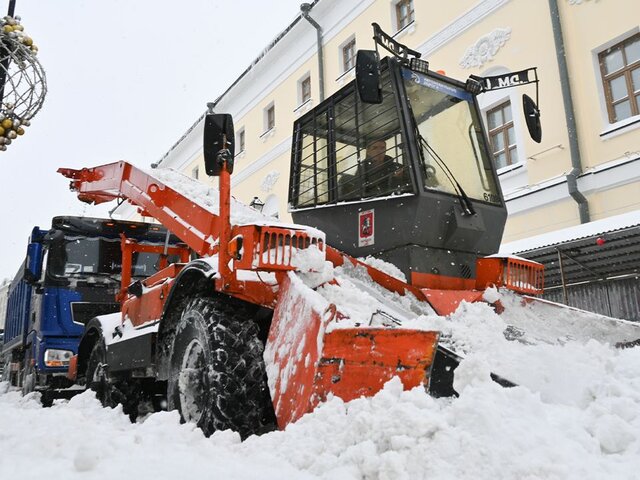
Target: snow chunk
471 370
86 458
385 267
491 295
613 433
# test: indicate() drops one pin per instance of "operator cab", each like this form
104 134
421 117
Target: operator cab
396 165
429 202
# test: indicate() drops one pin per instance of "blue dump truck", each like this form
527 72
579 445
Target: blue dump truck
71 274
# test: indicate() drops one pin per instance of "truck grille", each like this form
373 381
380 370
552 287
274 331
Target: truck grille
82 312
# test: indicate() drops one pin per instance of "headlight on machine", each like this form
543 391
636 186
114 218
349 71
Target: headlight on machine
57 358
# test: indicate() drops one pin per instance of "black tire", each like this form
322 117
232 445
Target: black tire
97 376
111 392
217 377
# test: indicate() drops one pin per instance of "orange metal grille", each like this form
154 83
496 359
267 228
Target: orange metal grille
278 245
516 274
524 277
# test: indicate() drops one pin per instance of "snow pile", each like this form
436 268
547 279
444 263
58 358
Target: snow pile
386 267
363 302
208 197
488 432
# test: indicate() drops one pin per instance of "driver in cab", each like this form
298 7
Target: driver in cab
380 174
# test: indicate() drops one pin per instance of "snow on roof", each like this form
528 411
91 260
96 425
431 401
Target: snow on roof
597 227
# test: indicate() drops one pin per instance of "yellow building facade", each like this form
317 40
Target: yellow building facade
587 166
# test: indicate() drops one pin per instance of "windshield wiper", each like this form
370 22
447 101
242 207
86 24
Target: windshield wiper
465 202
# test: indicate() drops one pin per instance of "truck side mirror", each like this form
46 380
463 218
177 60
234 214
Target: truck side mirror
33 263
532 117
55 242
218 143
368 76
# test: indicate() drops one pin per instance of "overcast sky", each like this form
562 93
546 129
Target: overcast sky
126 79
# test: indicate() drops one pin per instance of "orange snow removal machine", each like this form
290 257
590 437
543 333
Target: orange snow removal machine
266 320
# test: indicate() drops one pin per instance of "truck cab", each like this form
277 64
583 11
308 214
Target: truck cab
71 274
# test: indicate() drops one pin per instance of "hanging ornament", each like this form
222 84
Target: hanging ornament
23 84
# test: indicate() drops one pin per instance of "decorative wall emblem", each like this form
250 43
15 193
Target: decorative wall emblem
269 181
485 48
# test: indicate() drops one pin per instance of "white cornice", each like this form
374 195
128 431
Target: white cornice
610 175
606 176
460 24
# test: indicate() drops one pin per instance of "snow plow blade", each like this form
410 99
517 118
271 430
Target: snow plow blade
562 323
528 319
307 361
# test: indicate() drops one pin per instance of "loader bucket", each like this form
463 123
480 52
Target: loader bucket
307 359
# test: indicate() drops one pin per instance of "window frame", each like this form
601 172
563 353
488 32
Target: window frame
269 118
503 130
350 44
241 140
632 96
305 81
411 17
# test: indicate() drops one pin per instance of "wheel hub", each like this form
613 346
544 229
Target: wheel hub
192 382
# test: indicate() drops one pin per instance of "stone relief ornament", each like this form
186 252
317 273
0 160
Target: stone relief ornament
269 181
485 48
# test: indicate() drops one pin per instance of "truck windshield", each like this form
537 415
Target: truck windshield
453 141
87 256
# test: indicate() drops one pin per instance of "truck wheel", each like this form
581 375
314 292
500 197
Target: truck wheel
96 375
217 374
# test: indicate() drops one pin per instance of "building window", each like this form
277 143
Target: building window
620 68
404 13
502 135
305 90
195 173
269 117
349 55
240 141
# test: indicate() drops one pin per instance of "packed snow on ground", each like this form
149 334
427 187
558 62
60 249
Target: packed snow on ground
577 416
